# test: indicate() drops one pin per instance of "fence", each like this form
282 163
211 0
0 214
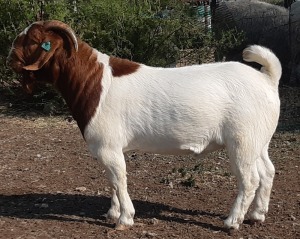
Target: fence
263 24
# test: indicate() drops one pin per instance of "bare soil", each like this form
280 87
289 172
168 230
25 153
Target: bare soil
50 187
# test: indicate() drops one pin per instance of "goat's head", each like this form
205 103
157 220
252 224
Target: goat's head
36 49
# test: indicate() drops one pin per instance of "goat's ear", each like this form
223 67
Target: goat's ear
42 55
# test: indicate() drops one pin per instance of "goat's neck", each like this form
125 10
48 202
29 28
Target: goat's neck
80 84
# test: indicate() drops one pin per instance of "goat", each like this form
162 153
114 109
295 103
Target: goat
121 105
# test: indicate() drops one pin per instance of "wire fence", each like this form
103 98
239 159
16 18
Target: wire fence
289 119
263 24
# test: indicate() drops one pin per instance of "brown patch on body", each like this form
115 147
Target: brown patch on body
121 67
80 84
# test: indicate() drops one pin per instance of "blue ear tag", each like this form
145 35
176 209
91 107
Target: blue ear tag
46 46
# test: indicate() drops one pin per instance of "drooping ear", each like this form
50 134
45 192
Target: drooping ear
42 55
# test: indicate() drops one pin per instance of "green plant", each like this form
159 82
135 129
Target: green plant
228 40
189 182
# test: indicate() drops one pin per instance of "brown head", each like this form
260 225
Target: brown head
49 52
33 51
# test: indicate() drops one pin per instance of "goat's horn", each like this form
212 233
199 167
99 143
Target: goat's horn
58 25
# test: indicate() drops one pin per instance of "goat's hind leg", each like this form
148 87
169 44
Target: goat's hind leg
266 173
243 164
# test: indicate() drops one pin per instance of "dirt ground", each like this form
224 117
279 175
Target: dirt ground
50 187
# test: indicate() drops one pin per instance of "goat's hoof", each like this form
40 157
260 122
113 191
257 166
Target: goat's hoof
255 222
110 219
232 224
231 232
112 216
121 227
256 217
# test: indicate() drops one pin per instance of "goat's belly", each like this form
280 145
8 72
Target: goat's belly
170 147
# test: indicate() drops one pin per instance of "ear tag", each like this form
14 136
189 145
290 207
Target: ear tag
46 46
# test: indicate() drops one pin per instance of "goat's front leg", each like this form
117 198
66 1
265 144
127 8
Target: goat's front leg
113 213
121 205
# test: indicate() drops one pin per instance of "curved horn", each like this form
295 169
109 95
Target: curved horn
58 25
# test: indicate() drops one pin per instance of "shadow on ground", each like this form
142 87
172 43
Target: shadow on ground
90 209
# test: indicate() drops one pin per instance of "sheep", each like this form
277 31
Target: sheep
121 105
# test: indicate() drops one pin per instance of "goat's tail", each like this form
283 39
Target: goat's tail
265 57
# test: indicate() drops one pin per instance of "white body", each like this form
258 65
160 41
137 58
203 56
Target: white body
194 109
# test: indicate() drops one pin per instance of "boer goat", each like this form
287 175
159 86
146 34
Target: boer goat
121 105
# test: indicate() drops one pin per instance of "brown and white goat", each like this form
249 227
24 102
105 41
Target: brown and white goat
121 105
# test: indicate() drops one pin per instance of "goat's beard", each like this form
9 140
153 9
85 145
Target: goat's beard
28 82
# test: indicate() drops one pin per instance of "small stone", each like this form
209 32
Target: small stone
41 205
293 218
154 221
149 234
44 205
120 227
80 189
38 155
